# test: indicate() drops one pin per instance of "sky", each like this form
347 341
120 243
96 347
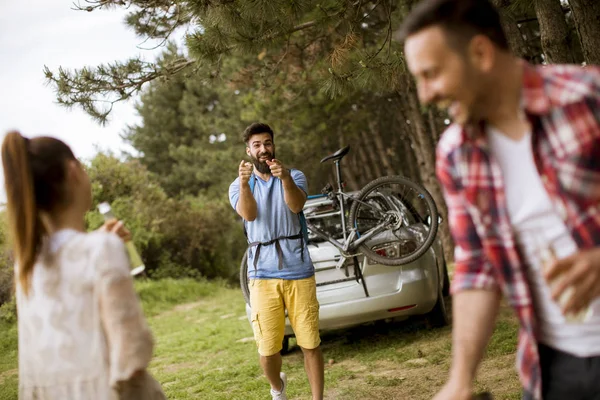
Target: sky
34 33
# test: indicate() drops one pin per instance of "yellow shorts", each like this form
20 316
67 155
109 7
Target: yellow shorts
270 298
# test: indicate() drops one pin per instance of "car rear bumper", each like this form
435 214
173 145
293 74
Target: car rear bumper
413 298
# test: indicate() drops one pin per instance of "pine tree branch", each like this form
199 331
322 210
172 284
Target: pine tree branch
221 35
179 20
99 4
368 14
303 26
153 19
390 30
388 35
277 34
108 84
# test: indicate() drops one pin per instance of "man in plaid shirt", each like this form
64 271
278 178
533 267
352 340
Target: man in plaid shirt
520 170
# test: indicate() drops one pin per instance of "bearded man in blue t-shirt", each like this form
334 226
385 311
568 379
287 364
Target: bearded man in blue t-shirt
270 197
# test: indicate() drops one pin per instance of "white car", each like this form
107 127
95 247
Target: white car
347 299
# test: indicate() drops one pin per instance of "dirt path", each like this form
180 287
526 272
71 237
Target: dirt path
416 363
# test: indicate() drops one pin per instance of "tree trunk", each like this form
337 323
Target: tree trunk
587 22
425 151
381 150
350 172
410 169
514 36
394 148
404 162
332 178
366 164
412 160
357 173
369 154
554 32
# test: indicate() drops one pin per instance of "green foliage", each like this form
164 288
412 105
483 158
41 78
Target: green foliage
176 237
8 311
6 276
271 37
319 72
6 271
179 118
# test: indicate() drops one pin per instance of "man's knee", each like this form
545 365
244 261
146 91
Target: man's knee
270 346
313 351
270 358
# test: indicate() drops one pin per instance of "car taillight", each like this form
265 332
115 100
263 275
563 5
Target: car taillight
382 252
395 250
390 251
387 250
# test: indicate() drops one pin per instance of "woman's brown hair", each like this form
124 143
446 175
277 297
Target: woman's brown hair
34 175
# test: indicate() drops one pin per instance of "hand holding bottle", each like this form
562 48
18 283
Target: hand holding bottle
112 224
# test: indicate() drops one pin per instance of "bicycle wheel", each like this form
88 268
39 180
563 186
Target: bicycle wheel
244 278
400 218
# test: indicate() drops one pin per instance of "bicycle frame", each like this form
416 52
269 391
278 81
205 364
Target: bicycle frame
351 238
350 241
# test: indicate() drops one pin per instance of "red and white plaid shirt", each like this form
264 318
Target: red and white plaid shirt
563 105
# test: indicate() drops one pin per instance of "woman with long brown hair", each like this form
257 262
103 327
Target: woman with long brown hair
82 332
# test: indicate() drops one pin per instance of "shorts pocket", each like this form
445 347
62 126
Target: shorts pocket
256 326
307 332
313 317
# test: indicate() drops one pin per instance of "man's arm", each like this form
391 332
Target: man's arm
476 296
474 315
294 196
246 205
240 194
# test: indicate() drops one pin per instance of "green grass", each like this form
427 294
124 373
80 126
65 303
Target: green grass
204 350
162 295
8 361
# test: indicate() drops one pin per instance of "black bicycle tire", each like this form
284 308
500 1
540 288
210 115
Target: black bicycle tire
244 278
396 179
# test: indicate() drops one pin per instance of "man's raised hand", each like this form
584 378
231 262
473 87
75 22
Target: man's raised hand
245 171
277 169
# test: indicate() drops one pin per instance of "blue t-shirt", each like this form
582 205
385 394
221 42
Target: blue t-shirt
274 219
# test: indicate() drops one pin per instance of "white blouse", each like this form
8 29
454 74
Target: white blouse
82 332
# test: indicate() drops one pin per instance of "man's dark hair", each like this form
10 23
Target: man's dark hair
256 128
461 19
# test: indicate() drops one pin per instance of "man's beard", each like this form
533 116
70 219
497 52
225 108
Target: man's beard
262 166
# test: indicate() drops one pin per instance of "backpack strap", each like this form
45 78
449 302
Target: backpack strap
252 182
258 246
303 225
